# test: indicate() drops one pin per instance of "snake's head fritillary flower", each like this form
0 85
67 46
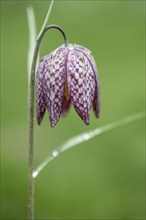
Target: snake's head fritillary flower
67 75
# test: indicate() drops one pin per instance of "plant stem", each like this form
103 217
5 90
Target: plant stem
31 131
31 115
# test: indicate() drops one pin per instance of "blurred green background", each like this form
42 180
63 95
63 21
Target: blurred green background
102 178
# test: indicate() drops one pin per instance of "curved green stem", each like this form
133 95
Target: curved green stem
31 114
50 27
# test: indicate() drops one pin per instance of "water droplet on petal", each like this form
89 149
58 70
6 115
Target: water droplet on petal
71 47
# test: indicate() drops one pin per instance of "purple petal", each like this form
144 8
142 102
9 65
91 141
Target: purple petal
54 82
81 83
96 100
41 107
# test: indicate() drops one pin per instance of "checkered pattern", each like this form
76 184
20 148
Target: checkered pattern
67 75
81 83
54 82
41 107
96 100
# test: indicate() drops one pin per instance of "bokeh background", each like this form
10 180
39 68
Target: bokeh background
104 177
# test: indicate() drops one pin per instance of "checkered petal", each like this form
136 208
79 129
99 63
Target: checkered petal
41 107
54 82
81 83
66 75
96 100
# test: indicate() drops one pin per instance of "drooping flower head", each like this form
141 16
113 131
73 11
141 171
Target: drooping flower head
67 75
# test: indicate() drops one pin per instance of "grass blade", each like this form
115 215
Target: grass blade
85 137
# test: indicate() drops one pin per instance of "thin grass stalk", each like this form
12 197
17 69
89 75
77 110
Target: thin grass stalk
71 143
31 211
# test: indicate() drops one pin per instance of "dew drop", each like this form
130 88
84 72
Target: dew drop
86 136
35 173
55 153
71 47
